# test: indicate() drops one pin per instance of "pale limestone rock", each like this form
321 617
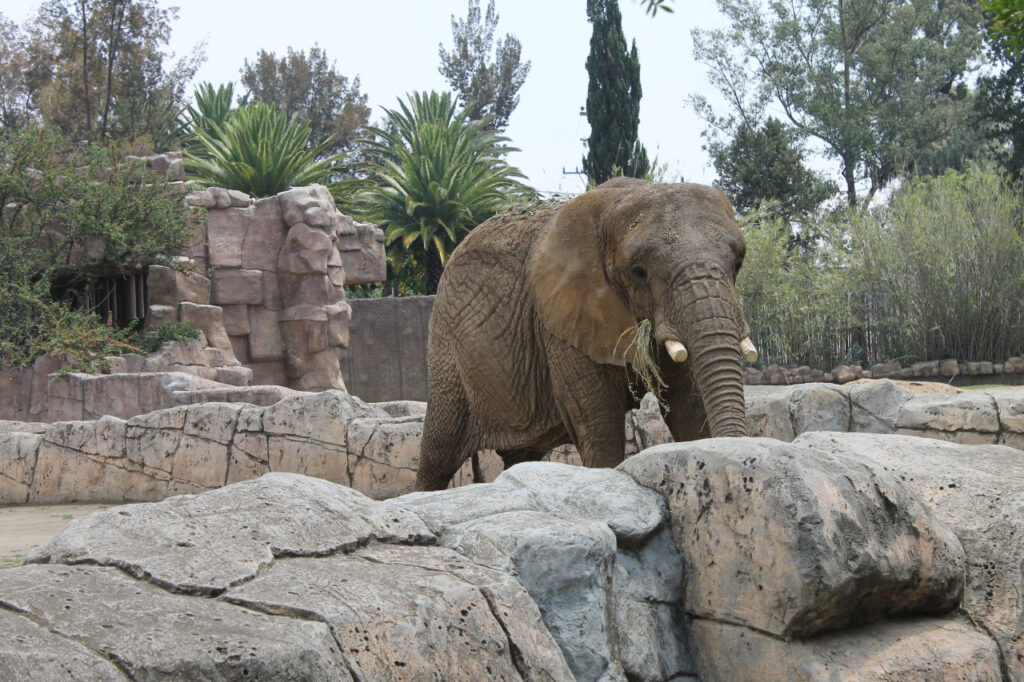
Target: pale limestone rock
264 235
914 649
239 198
18 453
271 291
795 542
225 233
202 544
363 254
768 412
819 407
209 319
158 315
875 406
265 341
29 652
539 548
305 251
171 287
961 412
383 454
972 490
220 196
459 621
154 634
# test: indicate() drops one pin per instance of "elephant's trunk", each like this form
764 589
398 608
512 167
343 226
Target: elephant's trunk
712 322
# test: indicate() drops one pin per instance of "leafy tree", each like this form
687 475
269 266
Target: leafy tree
67 218
258 150
488 85
21 76
1000 105
613 98
1007 23
308 88
765 164
881 85
433 175
107 78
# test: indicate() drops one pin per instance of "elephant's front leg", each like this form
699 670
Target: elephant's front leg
685 417
591 400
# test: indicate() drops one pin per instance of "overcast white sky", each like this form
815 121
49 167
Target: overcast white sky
392 46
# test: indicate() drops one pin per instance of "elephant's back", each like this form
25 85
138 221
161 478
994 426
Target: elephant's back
505 239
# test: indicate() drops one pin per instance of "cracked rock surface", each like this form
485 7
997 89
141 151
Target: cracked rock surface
838 556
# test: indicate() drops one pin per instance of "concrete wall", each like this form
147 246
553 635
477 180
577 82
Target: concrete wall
386 358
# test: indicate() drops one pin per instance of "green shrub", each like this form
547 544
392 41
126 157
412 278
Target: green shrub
796 302
169 331
34 325
937 272
67 217
942 268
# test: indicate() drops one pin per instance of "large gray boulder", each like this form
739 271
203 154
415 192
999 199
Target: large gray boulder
282 577
592 549
978 492
797 542
732 558
153 634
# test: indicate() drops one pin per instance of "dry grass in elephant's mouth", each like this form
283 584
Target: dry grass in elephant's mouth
644 362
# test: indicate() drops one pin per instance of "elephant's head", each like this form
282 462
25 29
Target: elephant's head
669 253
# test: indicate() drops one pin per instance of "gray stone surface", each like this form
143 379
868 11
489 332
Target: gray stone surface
414 613
32 653
154 634
591 548
795 542
978 493
922 650
204 544
549 573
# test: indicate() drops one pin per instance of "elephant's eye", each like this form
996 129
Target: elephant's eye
639 272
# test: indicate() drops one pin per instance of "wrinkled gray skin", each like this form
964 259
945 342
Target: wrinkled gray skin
527 348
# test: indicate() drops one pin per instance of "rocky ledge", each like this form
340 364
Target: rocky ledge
374 447
837 556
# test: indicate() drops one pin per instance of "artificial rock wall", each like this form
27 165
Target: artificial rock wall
267 284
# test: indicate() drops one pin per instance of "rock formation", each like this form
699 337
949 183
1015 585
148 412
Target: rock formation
839 556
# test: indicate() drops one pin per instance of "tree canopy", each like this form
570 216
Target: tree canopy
764 163
308 87
97 70
488 84
613 98
880 85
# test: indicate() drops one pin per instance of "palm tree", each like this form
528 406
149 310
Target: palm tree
258 150
432 175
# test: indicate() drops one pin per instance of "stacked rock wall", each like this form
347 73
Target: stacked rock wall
375 447
269 282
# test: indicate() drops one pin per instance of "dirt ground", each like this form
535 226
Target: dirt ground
24 528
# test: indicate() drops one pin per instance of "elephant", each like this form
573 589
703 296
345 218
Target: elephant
532 338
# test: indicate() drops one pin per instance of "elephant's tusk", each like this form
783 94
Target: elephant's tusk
748 350
676 350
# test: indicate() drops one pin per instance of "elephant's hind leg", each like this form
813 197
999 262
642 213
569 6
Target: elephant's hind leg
444 446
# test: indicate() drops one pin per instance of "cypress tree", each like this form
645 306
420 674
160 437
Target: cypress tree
613 98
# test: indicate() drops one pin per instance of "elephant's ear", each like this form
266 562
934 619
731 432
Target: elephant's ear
575 302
